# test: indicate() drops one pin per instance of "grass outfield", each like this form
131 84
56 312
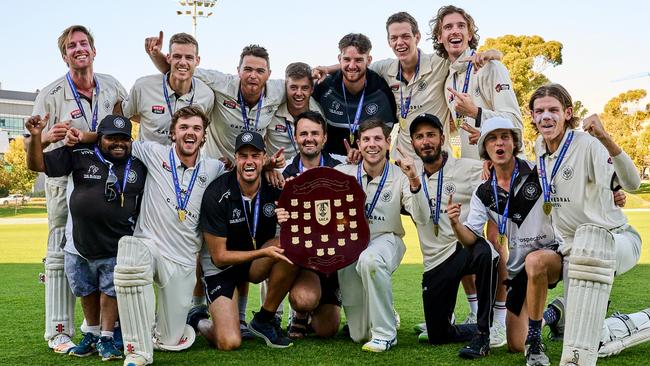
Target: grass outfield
21 315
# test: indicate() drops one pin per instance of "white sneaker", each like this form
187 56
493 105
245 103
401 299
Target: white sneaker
470 319
379 345
497 335
60 343
420 327
134 359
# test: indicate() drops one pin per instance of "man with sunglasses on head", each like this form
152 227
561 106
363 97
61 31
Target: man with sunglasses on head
106 175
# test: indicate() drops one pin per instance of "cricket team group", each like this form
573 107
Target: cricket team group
190 205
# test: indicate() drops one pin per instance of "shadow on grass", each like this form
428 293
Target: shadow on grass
21 333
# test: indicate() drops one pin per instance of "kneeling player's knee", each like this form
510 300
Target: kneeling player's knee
228 343
327 330
303 301
535 265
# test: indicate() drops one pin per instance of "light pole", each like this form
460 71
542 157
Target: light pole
196 9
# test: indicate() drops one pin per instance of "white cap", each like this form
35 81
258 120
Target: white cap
497 123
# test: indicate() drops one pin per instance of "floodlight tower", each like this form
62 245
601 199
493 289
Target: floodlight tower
196 9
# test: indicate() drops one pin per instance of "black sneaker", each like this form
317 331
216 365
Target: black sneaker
196 314
478 347
270 332
244 331
535 355
557 329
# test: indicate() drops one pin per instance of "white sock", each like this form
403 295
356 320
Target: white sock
198 300
242 302
472 299
106 333
500 312
94 329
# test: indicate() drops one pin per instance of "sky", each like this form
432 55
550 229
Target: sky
603 40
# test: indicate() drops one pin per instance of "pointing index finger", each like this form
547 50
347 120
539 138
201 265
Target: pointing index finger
450 202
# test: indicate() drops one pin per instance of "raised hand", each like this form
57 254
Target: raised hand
474 133
277 160
153 45
453 210
35 124
353 154
463 104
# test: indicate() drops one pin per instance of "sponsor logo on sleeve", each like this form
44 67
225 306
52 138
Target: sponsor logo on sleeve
230 104
501 87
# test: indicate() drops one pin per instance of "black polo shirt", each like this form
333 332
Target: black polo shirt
293 169
222 213
97 225
379 101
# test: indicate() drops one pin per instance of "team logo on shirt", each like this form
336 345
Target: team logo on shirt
166 166
449 188
76 114
107 105
386 196
118 122
501 87
335 108
269 210
236 213
92 172
133 177
236 216
477 91
157 109
371 109
230 104
531 191
394 87
281 128
422 85
567 172
202 180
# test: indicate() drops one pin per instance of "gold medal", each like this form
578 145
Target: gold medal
181 215
436 229
402 123
547 208
122 200
459 121
254 243
351 138
503 240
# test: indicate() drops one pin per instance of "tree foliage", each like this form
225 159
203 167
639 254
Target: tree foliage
15 177
526 58
623 117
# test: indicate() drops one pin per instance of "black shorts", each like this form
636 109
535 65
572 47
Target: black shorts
517 291
329 289
225 282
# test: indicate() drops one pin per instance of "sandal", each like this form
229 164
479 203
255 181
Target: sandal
298 328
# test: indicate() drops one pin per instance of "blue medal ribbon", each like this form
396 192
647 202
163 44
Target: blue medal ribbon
468 73
435 211
93 125
503 219
182 203
546 184
404 106
301 167
244 115
127 169
166 94
256 214
373 203
357 116
291 137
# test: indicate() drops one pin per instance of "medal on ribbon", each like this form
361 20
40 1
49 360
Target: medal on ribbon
547 183
459 118
357 116
256 214
503 219
181 201
127 169
93 125
435 209
404 105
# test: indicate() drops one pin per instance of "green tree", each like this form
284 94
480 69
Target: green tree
17 178
623 116
526 58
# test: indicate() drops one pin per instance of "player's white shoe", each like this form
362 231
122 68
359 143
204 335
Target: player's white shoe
61 343
379 345
133 359
497 335
470 319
